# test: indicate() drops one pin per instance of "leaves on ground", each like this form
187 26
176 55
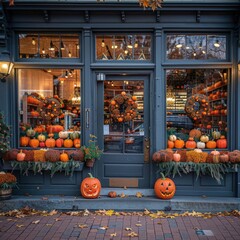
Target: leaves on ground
139 195
82 226
132 234
128 229
36 222
113 234
103 227
20 225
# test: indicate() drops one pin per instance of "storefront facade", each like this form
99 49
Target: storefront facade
129 76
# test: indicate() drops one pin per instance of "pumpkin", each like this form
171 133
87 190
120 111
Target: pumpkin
64 157
30 132
234 156
24 141
215 154
74 135
172 138
204 138
77 143
42 144
39 129
176 157
170 144
179 143
41 138
29 155
34 143
63 134
190 143
164 188
222 142
112 194
76 155
21 156
216 135
50 142
223 158
54 128
68 143
59 142
197 150
195 133
12 154
211 144
201 145
90 187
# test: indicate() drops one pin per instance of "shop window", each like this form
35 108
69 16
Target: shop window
199 47
48 46
50 104
197 108
123 47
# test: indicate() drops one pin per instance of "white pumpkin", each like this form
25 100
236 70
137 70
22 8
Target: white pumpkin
201 145
216 135
173 138
204 138
63 134
41 138
198 150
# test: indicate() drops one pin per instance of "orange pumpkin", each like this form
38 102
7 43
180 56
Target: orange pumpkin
179 143
164 188
59 142
21 156
211 144
222 142
54 128
191 143
41 138
50 142
176 157
170 144
64 157
77 143
90 187
68 143
39 129
24 141
34 143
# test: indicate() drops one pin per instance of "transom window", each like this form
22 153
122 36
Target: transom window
123 47
196 46
33 45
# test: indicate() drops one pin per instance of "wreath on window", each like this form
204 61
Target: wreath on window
197 106
123 107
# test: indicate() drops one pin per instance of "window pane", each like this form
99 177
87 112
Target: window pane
123 47
49 103
49 46
196 47
197 103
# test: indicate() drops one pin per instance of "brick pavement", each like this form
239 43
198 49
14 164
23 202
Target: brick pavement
95 227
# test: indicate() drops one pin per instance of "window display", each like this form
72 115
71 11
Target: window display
49 103
197 105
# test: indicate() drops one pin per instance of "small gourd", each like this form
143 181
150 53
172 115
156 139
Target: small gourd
64 157
21 156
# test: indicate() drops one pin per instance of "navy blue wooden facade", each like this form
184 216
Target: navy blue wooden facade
91 18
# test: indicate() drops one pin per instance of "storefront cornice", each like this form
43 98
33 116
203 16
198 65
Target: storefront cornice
197 64
27 64
123 66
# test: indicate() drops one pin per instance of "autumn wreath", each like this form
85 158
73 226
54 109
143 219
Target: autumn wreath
197 106
123 107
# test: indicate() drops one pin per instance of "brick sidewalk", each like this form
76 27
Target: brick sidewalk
93 227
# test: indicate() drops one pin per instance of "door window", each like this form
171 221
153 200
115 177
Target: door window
123 116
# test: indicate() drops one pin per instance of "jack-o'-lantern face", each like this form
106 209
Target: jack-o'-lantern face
90 187
164 188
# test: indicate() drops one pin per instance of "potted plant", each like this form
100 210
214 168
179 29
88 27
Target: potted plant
7 182
4 136
91 151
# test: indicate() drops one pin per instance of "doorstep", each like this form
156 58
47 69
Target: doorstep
128 203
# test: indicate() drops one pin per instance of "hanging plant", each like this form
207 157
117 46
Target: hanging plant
154 4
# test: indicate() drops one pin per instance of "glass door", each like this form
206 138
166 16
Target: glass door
123 124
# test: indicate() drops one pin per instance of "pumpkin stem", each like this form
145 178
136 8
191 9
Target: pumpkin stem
90 175
163 177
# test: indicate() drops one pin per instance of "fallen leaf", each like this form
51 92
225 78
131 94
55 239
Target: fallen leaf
146 212
122 195
113 234
58 219
36 222
133 234
138 224
159 223
53 212
109 212
19 225
125 187
139 195
86 212
128 229
82 226
104 228
48 224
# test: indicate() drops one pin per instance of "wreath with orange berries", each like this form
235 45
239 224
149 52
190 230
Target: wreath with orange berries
197 106
123 107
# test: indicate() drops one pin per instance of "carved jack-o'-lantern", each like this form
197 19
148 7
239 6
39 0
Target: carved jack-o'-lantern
164 188
90 187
